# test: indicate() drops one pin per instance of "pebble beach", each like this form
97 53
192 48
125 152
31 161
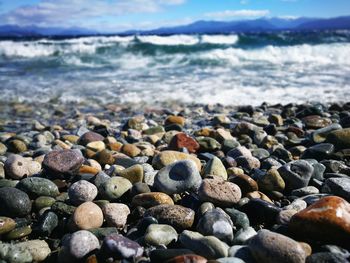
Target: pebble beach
174 182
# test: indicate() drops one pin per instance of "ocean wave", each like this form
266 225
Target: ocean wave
174 40
220 39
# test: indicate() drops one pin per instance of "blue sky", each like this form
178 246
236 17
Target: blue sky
117 15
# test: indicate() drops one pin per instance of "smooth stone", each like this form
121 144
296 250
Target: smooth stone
38 186
239 151
187 258
114 188
248 163
102 232
158 234
243 235
14 202
260 212
96 146
230 260
178 177
6 225
297 205
245 183
242 252
139 188
165 158
272 247
296 174
47 223
338 186
133 173
63 161
340 138
2 171
39 249
81 243
285 216
19 233
205 207
214 167
104 157
208 144
320 135
44 201
151 199
219 192
175 215
16 146
326 220
154 130
82 191
17 167
63 209
119 247
216 223
116 214
88 215
8 183
271 181
319 151
260 153
172 119
182 140
3 148
326 257
89 137
307 190
239 219
131 150
209 247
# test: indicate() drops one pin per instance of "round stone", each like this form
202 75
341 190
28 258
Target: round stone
88 215
38 186
90 137
158 234
63 161
44 201
165 158
178 177
114 188
14 202
82 243
116 214
18 167
82 191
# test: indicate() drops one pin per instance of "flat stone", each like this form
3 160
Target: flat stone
219 192
17 167
19 233
165 158
268 246
14 202
214 167
296 174
175 215
116 214
63 161
209 247
104 157
175 120
326 220
82 243
337 186
178 177
151 199
114 188
88 215
38 186
158 234
6 224
90 137
307 190
82 191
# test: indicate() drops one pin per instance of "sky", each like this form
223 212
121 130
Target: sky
119 15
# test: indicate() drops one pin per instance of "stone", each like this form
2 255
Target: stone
268 246
245 183
175 120
208 144
320 135
114 188
88 215
242 252
104 157
165 158
243 235
133 173
238 152
131 150
47 222
327 220
337 186
307 190
90 137
148 200
15 255
38 249
16 146
239 219
81 243
82 191
38 186
96 146
19 233
209 247
119 247
219 192
139 188
316 122
340 138
6 224
271 181
319 151
260 212
14 202
17 167
296 174
248 163
285 216
174 215
116 214
178 177
63 162
216 223
326 257
215 167
158 234
182 140
3 148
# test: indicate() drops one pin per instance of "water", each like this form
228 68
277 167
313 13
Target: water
228 69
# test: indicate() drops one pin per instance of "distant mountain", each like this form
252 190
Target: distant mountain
257 25
28 31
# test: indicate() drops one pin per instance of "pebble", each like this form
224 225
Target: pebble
151 199
245 183
182 140
63 161
87 215
268 246
158 234
17 167
337 186
168 157
114 188
14 202
6 225
82 191
82 243
243 235
271 181
178 177
116 214
340 138
133 173
219 192
39 249
215 167
38 186
296 174
89 137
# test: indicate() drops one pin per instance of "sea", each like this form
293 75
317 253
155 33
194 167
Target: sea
233 69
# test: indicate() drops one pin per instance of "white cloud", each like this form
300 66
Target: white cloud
69 12
244 13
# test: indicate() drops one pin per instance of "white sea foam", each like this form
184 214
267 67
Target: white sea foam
173 40
220 39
